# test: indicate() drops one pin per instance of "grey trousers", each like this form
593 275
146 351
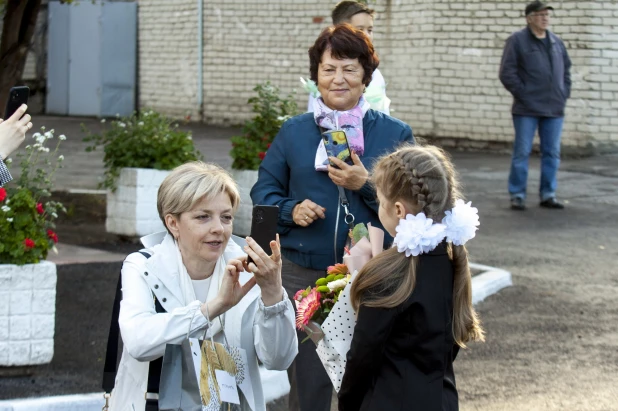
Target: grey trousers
310 387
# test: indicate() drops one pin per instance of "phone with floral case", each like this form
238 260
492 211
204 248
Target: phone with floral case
336 144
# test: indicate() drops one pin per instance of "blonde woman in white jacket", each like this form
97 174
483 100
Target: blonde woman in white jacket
201 279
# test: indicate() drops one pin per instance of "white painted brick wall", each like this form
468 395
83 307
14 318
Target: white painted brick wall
27 313
440 61
132 209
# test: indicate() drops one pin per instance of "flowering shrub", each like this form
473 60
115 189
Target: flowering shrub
249 150
26 215
144 140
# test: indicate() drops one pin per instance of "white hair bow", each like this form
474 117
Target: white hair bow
417 234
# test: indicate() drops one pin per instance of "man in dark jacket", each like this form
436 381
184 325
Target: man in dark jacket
535 69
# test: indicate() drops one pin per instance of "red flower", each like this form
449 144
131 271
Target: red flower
39 208
28 243
268 146
52 236
261 155
307 308
2 194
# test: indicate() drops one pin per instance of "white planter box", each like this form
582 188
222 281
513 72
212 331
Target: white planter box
132 209
27 313
242 220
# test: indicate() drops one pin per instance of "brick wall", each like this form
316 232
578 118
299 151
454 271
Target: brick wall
440 61
167 47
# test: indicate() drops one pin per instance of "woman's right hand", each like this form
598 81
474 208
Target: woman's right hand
13 131
230 291
307 212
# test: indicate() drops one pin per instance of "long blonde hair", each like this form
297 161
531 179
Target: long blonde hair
425 177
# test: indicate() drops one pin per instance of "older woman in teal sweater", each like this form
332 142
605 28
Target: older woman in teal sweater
312 225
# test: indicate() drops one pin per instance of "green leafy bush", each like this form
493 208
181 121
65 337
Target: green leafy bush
271 111
26 219
146 140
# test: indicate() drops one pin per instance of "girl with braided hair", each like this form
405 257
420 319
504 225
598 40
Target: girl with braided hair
414 301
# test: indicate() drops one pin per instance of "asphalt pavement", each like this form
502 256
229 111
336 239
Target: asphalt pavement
552 338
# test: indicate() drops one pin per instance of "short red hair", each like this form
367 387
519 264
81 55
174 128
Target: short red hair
344 42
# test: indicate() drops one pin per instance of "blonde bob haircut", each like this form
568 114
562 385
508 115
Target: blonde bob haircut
189 183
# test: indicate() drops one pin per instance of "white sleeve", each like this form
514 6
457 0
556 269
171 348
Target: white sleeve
146 332
274 335
379 101
310 103
378 79
5 176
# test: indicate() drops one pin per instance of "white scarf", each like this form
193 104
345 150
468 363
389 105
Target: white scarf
350 120
188 292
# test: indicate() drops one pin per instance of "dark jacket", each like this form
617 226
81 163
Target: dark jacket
401 358
287 176
540 86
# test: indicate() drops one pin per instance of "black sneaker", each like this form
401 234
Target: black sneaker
517 203
552 203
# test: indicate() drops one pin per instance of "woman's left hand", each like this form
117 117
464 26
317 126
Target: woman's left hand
266 269
352 177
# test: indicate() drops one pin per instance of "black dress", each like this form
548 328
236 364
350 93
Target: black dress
401 358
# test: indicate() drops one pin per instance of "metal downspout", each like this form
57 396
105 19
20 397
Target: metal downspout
200 58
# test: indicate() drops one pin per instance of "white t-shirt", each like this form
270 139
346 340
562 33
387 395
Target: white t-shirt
201 288
377 83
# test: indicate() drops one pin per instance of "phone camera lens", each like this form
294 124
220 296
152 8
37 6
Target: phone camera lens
259 215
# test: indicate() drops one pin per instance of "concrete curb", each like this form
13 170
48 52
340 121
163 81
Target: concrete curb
489 282
275 383
80 402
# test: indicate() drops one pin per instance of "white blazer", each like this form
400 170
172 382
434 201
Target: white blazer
266 333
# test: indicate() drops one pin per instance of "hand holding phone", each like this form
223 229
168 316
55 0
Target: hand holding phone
352 177
264 226
267 269
17 96
14 127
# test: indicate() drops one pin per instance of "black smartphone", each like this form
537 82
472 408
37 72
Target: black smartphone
336 144
17 96
264 226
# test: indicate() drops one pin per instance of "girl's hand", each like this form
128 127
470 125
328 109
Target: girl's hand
266 270
352 177
230 291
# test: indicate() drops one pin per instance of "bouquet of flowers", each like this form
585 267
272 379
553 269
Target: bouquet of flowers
315 303
325 311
